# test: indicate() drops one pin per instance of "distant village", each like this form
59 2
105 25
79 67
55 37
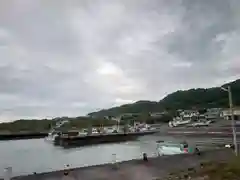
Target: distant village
195 117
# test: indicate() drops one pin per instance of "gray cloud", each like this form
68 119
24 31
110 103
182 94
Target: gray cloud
72 57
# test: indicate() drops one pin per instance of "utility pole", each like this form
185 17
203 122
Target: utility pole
232 118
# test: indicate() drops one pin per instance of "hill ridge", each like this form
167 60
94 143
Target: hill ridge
180 99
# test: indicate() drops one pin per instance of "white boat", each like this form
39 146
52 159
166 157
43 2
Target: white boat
179 123
110 130
203 123
95 131
54 132
142 127
51 137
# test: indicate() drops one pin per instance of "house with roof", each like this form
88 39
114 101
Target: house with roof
226 113
213 113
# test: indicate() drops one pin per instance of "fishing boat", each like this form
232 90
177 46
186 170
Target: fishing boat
95 135
54 132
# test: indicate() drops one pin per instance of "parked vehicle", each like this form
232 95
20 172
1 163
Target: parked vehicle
172 148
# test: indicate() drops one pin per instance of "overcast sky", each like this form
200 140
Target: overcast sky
68 58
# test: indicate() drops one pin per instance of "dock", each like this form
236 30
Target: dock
154 168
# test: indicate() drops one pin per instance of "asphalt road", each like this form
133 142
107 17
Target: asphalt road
207 142
203 142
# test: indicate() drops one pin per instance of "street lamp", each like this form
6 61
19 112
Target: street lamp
228 89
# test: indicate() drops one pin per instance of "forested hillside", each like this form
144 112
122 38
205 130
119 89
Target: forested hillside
188 99
193 98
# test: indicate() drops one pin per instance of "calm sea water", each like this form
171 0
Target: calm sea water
37 155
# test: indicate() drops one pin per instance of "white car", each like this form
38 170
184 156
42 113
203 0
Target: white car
171 148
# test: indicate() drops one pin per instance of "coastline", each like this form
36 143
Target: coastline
157 167
200 132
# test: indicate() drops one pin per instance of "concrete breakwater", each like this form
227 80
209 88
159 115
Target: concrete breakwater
197 131
24 135
135 169
99 138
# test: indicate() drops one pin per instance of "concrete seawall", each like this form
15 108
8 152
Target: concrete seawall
184 132
135 169
100 138
26 135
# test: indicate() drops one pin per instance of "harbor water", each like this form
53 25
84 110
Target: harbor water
38 155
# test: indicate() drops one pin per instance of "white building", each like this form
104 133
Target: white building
226 113
213 113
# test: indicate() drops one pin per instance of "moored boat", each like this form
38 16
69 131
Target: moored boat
96 135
